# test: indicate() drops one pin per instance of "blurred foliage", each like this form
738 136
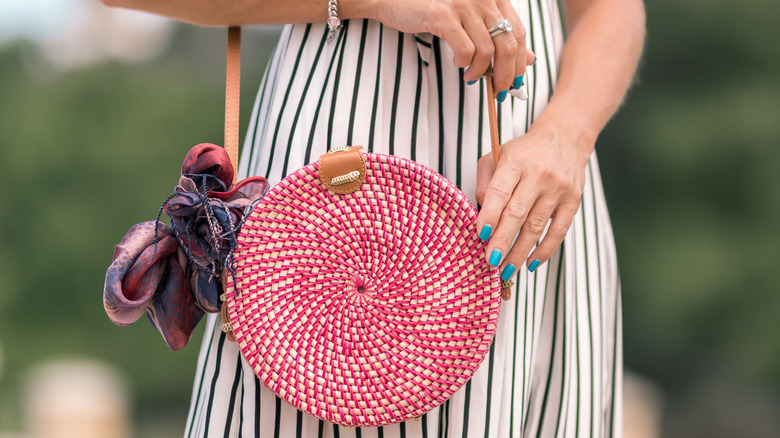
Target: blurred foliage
689 167
84 156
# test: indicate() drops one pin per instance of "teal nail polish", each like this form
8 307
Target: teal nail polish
534 60
534 264
508 271
472 82
518 82
487 230
495 257
501 96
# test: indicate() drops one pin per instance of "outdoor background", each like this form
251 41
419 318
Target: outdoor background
98 108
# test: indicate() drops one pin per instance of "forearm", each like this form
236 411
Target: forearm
246 12
597 66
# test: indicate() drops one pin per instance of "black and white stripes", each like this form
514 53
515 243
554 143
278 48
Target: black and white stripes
555 368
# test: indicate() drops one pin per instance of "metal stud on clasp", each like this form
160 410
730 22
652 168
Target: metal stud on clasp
344 179
335 149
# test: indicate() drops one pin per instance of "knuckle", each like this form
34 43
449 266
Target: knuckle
572 195
464 54
558 231
544 172
573 202
502 190
566 184
516 210
514 160
508 46
570 190
535 225
460 4
520 32
444 22
442 11
486 49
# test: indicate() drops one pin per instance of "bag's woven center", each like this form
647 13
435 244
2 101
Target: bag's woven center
368 308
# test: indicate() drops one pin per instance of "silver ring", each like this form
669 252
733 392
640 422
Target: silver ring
500 27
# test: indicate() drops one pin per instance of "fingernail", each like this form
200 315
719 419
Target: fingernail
472 82
508 271
501 96
534 264
487 230
495 257
534 60
518 82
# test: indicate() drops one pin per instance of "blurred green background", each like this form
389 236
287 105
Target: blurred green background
690 167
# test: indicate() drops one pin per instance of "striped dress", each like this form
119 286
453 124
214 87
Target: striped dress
555 367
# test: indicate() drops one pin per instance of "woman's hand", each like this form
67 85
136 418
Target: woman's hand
464 25
539 176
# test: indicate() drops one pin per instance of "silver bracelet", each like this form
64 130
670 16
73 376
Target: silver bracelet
334 24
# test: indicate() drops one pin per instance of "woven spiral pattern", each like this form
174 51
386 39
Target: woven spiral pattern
367 308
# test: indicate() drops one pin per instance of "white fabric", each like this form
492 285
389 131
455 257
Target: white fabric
555 368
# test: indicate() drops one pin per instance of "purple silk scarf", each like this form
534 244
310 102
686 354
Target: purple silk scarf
173 274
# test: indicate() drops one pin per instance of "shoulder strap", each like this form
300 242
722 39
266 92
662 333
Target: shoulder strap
492 117
232 95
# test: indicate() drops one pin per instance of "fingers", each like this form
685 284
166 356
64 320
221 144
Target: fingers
504 61
474 46
526 213
484 48
533 227
521 55
516 208
461 45
499 190
557 231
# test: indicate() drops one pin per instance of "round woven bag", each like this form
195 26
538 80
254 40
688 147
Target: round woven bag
367 308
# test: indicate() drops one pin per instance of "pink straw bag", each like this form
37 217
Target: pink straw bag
358 289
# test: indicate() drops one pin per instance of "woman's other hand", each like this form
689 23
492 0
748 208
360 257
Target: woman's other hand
540 176
464 25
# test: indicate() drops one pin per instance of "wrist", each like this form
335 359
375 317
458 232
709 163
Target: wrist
573 131
357 9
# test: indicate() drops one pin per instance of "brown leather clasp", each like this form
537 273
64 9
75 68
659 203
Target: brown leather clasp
342 169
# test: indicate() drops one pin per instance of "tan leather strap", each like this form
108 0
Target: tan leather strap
492 117
506 285
232 96
232 100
